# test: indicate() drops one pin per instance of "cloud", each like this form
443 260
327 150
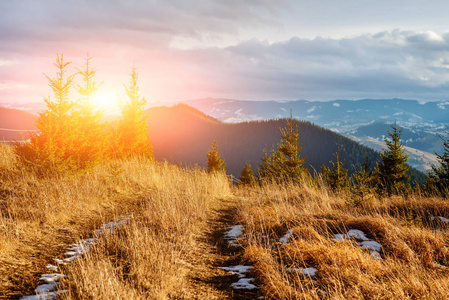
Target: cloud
121 20
119 33
387 64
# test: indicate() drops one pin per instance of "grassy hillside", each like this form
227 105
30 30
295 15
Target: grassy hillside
296 237
165 208
15 123
305 243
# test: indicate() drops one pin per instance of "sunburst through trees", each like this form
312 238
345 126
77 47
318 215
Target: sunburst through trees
71 134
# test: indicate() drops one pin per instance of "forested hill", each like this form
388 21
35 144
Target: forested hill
14 124
183 135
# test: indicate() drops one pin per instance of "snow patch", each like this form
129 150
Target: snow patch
238 270
244 283
375 254
442 219
373 246
233 233
357 234
286 237
52 268
49 278
306 271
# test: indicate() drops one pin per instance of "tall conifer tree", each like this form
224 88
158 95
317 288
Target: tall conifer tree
214 162
247 175
439 178
337 175
131 137
92 138
361 184
392 170
53 146
285 162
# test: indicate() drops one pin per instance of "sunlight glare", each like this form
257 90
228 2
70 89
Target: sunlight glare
109 103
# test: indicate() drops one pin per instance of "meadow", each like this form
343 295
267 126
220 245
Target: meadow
301 240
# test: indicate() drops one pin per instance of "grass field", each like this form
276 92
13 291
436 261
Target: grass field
302 241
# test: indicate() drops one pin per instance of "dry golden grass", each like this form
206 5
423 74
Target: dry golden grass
151 255
40 216
415 254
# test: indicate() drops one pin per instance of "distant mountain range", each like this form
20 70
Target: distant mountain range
338 115
181 134
365 121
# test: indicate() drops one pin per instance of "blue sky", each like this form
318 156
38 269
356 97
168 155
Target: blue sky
253 50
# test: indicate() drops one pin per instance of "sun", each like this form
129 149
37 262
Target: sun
107 102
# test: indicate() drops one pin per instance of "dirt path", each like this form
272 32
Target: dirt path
212 253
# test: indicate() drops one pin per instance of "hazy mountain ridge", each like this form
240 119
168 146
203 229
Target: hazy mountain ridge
362 120
183 134
339 115
175 140
14 124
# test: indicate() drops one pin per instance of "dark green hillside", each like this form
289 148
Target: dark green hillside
182 134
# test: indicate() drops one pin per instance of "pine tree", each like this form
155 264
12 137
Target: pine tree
438 180
214 161
361 184
52 147
92 139
247 175
131 136
392 169
337 175
268 169
285 162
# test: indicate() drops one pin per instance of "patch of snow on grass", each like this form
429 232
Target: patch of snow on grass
59 261
244 283
306 271
45 292
49 278
375 254
238 270
286 237
443 219
371 245
357 234
339 237
52 268
71 258
233 233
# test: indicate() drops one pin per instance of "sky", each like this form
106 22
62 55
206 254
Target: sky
247 50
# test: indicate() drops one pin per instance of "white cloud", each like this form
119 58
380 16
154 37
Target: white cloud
182 48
